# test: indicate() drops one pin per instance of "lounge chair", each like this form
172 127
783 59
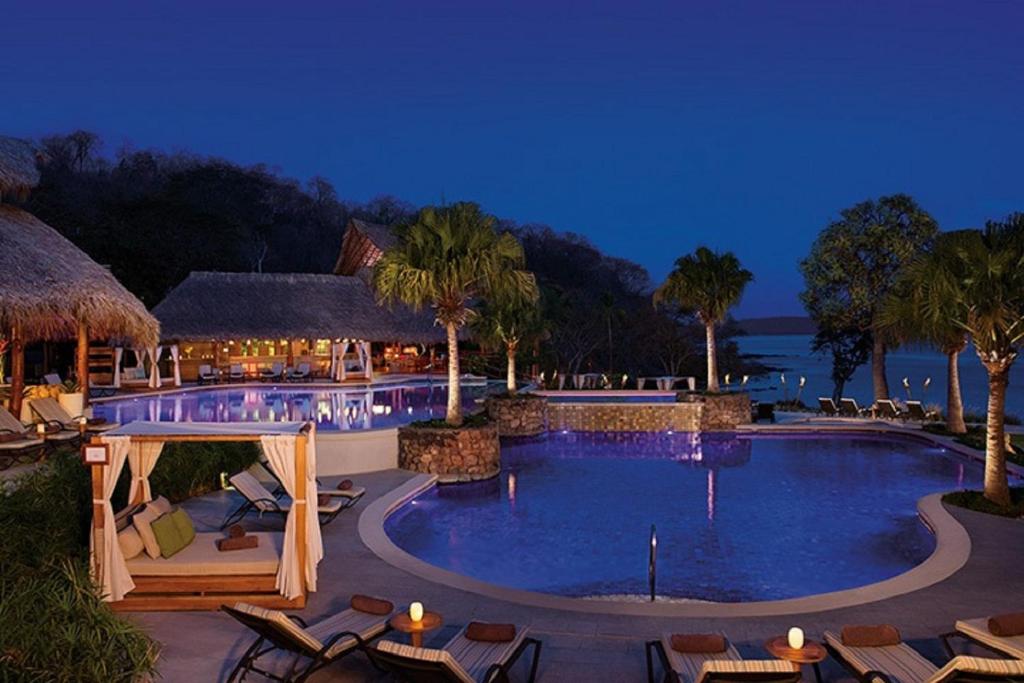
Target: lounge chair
236 373
208 374
52 379
916 411
764 410
275 371
312 646
978 631
300 374
886 408
827 406
259 499
461 660
848 408
705 667
900 663
53 414
17 443
354 493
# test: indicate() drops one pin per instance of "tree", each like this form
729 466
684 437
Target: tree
988 281
508 324
854 264
449 258
850 348
921 308
709 284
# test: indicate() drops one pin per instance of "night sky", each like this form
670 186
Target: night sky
650 128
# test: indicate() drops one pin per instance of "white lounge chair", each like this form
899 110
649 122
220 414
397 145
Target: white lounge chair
301 373
979 631
52 379
848 408
208 374
887 408
259 499
275 371
17 443
236 373
53 414
827 406
353 494
705 667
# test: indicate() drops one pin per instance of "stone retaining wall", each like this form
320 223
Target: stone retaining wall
466 454
624 417
518 416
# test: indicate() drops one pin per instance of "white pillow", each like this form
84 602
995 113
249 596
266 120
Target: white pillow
161 504
143 521
130 542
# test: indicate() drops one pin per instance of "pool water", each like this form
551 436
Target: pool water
739 518
332 408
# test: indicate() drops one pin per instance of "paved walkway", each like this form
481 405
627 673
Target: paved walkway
202 646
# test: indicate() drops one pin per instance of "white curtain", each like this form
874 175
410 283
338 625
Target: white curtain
118 352
280 453
176 358
154 366
109 568
142 457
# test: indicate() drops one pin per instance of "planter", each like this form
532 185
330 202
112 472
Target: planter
73 403
518 415
721 412
454 455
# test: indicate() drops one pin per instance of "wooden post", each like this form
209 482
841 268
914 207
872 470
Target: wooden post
17 370
82 361
289 361
300 507
97 519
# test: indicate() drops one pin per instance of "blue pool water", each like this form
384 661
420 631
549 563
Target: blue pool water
332 408
739 518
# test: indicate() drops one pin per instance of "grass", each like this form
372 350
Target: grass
976 501
975 438
474 420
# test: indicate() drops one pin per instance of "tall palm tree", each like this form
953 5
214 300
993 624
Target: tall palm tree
449 258
989 282
508 325
709 284
922 309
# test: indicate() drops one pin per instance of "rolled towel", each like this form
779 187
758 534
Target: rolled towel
236 531
490 633
870 636
345 485
323 499
237 543
1007 625
697 643
364 603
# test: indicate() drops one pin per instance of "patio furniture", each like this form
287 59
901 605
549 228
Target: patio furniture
916 411
312 646
300 374
461 660
887 408
979 631
812 652
404 623
236 373
275 371
827 406
208 374
259 499
897 662
848 408
53 413
764 410
17 443
352 494
696 666
52 379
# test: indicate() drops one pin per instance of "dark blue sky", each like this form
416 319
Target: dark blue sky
651 128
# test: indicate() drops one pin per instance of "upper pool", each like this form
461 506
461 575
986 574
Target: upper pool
739 518
332 408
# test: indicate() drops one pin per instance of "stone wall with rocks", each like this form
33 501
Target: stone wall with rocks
466 454
624 417
723 412
518 416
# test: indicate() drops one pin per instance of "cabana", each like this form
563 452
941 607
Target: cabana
205 578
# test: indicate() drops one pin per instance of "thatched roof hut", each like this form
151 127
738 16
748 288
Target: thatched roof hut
18 171
218 306
48 285
362 245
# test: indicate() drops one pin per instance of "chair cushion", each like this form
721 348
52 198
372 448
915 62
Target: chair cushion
979 666
201 557
1007 625
901 663
743 666
368 626
427 654
475 657
688 666
870 636
130 542
978 630
280 621
174 532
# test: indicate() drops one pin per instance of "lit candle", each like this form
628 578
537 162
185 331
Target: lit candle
40 428
796 638
416 611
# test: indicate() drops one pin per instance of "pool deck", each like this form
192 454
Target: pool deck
202 646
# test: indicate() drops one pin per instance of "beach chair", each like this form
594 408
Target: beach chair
275 371
300 374
208 374
17 443
979 631
52 379
54 415
848 408
887 409
236 373
916 411
897 662
258 499
827 406
351 495
311 646
724 663
461 660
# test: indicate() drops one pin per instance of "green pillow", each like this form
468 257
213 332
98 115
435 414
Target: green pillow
174 532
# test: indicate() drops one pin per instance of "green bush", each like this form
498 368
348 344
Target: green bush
976 500
187 470
472 420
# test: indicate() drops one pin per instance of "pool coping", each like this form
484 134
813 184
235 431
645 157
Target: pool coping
952 550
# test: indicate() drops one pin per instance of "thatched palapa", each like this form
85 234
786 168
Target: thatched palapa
362 245
18 171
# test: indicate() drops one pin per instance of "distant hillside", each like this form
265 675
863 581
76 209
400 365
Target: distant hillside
785 324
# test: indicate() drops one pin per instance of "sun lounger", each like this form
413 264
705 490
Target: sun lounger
978 631
17 443
236 373
208 374
916 411
461 660
353 494
900 663
848 408
705 667
52 379
275 371
259 499
827 406
300 374
764 410
53 414
887 408
311 647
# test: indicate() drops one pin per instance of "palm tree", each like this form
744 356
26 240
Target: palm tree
449 258
709 284
988 280
508 324
921 309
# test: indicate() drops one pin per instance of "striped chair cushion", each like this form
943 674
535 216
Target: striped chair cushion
250 487
366 625
476 657
745 666
280 621
901 663
688 666
427 654
978 630
985 666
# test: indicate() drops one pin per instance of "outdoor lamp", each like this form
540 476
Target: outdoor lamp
796 637
803 381
746 378
416 611
782 377
906 382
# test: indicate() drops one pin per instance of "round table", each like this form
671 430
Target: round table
811 653
415 629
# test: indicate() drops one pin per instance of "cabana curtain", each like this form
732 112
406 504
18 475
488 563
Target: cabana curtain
154 366
111 573
142 459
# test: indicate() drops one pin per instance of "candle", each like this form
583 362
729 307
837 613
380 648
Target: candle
40 428
796 638
416 611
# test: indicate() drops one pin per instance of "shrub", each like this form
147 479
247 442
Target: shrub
190 469
474 420
976 500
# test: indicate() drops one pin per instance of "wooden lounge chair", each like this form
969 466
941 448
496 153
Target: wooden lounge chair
312 646
208 374
886 408
827 406
275 371
353 494
705 667
236 373
979 632
461 660
52 379
901 663
916 411
300 374
259 499
53 414
17 443
848 408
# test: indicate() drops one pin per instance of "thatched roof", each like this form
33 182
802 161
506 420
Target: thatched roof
47 284
18 171
362 244
218 306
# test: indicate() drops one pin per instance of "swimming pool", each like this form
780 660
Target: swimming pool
739 518
332 408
